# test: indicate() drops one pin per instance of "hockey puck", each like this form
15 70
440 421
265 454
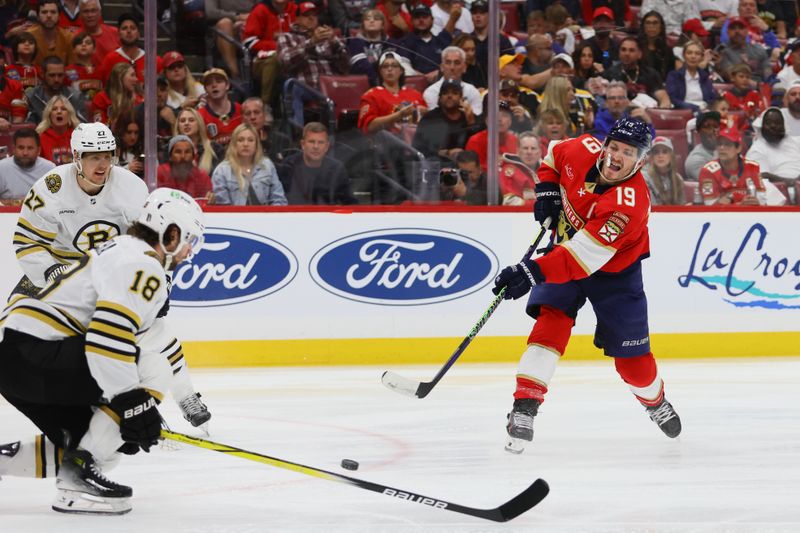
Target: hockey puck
349 464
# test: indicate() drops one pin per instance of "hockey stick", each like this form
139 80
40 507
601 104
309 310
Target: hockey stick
509 510
420 389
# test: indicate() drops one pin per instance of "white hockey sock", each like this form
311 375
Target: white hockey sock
37 458
102 439
538 364
651 394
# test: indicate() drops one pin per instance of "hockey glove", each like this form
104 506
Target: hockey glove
139 420
518 279
54 271
548 202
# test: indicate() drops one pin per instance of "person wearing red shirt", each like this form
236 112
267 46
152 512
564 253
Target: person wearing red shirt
479 142
742 96
731 179
181 173
398 22
220 113
266 20
391 104
106 38
599 198
121 95
129 51
517 171
69 15
24 70
58 121
83 75
13 108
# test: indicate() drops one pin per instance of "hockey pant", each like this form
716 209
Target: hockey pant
50 383
548 341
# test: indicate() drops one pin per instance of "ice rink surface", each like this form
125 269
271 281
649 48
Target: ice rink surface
735 468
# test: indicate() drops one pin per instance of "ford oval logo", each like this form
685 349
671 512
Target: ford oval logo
232 267
403 266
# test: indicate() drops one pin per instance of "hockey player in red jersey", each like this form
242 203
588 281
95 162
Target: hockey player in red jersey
600 199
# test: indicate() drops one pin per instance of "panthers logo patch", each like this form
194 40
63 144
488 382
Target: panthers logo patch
53 182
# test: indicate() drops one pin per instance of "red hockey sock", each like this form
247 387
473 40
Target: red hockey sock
552 329
527 388
641 374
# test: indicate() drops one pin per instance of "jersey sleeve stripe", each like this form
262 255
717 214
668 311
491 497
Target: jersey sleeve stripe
22 252
588 252
46 318
120 310
105 351
114 332
22 239
46 235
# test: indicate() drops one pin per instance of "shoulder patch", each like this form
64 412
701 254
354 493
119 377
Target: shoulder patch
53 182
712 166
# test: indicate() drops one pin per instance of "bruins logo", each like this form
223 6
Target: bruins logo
53 182
93 234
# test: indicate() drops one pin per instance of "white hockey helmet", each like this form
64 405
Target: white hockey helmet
92 137
165 206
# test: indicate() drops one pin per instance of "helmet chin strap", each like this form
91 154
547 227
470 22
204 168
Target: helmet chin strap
81 175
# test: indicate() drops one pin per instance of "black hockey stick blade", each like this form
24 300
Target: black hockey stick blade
420 389
508 511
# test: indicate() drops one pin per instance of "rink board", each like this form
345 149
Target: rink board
309 287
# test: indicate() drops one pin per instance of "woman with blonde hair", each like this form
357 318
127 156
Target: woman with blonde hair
661 176
560 94
246 176
207 152
184 90
121 95
55 130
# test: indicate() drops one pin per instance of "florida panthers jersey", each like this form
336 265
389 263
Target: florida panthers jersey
601 227
111 295
716 184
60 223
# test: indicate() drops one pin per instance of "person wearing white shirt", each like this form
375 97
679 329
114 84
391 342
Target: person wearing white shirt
444 10
454 64
19 172
778 154
791 109
790 73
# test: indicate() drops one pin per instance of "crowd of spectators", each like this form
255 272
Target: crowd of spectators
718 82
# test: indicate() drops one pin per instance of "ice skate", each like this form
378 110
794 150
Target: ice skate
83 489
195 411
520 424
667 419
7 452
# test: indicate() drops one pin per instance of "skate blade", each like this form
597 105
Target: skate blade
515 446
74 502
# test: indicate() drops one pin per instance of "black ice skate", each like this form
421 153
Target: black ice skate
667 419
520 424
7 452
194 410
83 489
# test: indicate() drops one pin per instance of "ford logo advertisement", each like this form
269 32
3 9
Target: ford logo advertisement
403 266
232 267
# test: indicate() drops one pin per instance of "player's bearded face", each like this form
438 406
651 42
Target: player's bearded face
617 161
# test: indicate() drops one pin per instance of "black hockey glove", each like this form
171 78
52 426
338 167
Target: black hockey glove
548 202
54 271
518 279
139 420
165 308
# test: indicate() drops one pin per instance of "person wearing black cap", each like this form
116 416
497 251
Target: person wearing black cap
480 20
421 47
522 120
706 150
443 132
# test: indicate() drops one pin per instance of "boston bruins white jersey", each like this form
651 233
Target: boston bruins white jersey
111 295
60 223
